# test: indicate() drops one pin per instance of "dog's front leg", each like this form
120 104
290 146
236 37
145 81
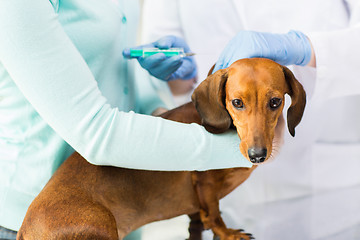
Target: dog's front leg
208 185
196 227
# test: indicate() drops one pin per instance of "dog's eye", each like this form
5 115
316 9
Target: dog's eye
237 103
275 103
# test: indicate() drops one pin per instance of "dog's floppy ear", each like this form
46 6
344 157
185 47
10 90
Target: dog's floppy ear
211 70
298 100
209 98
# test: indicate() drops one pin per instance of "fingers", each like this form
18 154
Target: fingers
171 64
172 41
226 59
165 42
151 61
188 70
161 66
126 53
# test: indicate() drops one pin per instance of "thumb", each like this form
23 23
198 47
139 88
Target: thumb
165 42
126 53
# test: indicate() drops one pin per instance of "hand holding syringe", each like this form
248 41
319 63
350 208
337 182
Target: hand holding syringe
167 59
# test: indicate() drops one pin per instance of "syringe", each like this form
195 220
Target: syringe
170 52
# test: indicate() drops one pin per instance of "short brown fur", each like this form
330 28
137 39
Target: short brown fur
84 201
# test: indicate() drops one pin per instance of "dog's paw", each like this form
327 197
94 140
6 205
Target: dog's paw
232 234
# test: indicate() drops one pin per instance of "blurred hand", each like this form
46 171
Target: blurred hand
167 68
286 49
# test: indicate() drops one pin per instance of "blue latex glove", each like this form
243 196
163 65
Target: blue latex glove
167 68
286 49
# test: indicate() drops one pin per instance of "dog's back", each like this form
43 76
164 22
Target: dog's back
85 201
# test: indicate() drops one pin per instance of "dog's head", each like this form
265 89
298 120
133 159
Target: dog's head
250 95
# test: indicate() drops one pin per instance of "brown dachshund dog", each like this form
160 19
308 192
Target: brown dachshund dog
84 201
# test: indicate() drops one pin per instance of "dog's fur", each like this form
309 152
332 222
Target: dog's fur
84 201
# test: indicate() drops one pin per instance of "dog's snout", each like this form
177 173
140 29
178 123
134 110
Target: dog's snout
257 155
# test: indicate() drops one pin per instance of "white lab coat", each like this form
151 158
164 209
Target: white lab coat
324 156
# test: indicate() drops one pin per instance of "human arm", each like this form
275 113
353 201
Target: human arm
55 79
337 68
312 62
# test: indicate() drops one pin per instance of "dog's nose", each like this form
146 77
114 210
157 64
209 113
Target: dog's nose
257 155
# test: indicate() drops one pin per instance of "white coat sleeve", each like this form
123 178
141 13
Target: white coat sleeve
337 58
160 18
53 76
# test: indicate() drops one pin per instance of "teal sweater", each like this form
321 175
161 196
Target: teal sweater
63 82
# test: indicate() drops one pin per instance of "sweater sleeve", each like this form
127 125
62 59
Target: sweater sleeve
55 79
337 54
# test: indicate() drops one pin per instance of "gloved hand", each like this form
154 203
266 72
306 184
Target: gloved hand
286 49
167 68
